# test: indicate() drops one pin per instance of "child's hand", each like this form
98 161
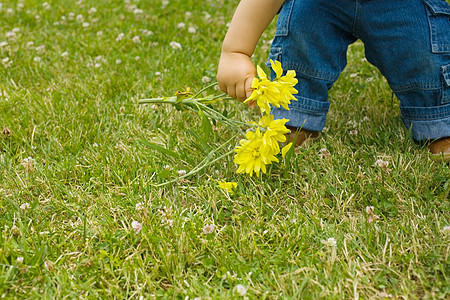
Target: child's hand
235 75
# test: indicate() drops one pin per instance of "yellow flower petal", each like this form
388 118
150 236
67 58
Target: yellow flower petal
286 149
260 72
276 66
227 186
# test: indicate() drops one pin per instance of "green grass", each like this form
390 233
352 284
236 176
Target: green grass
81 123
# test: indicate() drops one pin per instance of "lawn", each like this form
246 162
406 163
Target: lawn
361 213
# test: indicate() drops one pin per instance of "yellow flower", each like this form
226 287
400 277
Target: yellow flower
251 155
264 92
275 131
285 84
278 92
227 186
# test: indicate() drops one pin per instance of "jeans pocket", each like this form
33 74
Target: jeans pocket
275 54
284 18
439 22
445 70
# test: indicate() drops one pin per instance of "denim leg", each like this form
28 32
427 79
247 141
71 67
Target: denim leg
409 42
312 38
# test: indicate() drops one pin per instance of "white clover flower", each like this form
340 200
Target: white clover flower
10 11
240 290
19 260
93 10
324 153
331 242
192 30
86 24
37 59
71 16
30 44
208 228
157 73
89 65
15 230
118 61
137 227
181 25
46 5
137 58
7 62
16 29
147 32
56 23
120 36
64 54
446 228
175 45
369 209
354 132
381 163
40 49
3 44
25 206
80 18
165 3
28 163
136 39
138 11
50 266
97 65
11 35
139 206
206 79
188 14
99 33
181 172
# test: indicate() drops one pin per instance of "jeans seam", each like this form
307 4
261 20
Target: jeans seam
312 74
428 86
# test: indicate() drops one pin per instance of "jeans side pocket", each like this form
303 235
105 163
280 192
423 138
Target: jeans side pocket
275 54
445 70
439 22
284 18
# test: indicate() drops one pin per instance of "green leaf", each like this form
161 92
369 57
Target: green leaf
159 148
163 174
202 143
206 125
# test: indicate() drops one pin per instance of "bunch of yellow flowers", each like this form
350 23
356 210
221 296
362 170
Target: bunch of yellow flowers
261 146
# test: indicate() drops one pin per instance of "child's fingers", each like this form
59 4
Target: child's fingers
222 87
248 86
240 91
231 91
249 90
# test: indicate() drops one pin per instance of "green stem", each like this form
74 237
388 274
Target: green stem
204 163
204 89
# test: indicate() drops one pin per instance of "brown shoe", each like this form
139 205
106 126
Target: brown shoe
440 149
301 136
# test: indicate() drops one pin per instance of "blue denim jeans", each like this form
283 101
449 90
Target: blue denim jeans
407 40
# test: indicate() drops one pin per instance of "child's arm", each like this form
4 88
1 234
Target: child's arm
236 71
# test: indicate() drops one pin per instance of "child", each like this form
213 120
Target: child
408 40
